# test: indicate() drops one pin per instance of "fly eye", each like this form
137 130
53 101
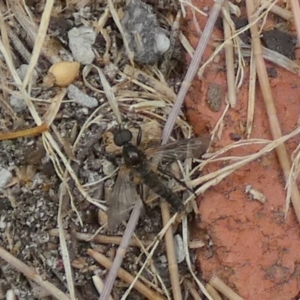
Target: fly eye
122 137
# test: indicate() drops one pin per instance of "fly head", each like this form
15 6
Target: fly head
122 137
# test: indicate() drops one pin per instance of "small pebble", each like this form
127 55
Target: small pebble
22 70
81 40
214 96
74 93
179 248
281 42
18 104
145 38
5 177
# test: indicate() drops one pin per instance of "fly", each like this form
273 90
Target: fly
137 164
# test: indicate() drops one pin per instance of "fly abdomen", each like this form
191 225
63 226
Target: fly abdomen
153 182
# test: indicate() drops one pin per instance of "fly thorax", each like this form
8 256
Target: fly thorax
132 155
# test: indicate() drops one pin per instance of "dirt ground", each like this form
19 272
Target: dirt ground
250 245
255 246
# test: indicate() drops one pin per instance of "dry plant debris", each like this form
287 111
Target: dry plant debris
58 163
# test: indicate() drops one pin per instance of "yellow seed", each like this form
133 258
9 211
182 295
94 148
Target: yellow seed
62 73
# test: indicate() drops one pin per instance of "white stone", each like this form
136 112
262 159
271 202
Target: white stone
5 177
74 93
81 40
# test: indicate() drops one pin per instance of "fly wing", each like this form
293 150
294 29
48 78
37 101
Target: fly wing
187 148
122 200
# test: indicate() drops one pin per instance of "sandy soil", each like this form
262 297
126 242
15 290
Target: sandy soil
255 247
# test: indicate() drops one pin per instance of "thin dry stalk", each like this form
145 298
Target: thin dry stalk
166 64
296 13
194 65
157 85
53 109
102 20
220 286
186 44
294 171
188 259
271 110
245 160
125 276
219 125
110 95
276 58
148 260
38 45
4 32
31 29
191 288
229 56
23 133
277 10
213 292
110 279
98 283
170 251
116 19
63 244
251 96
18 45
103 239
32 275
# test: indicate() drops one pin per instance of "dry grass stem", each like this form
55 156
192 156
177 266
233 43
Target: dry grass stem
102 20
125 276
229 56
192 291
279 11
276 58
53 109
98 283
166 65
158 86
242 161
107 89
295 170
196 244
32 275
26 23
170 251
251 96
148 260
38 45
23 133
4 31
185 237
224 289
193 68
18 44
193 8
110 279
103 239
296 13
186 44
213 292
31 29
270 107
217 131
116 19
63 243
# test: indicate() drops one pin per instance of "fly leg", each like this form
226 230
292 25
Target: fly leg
182 183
